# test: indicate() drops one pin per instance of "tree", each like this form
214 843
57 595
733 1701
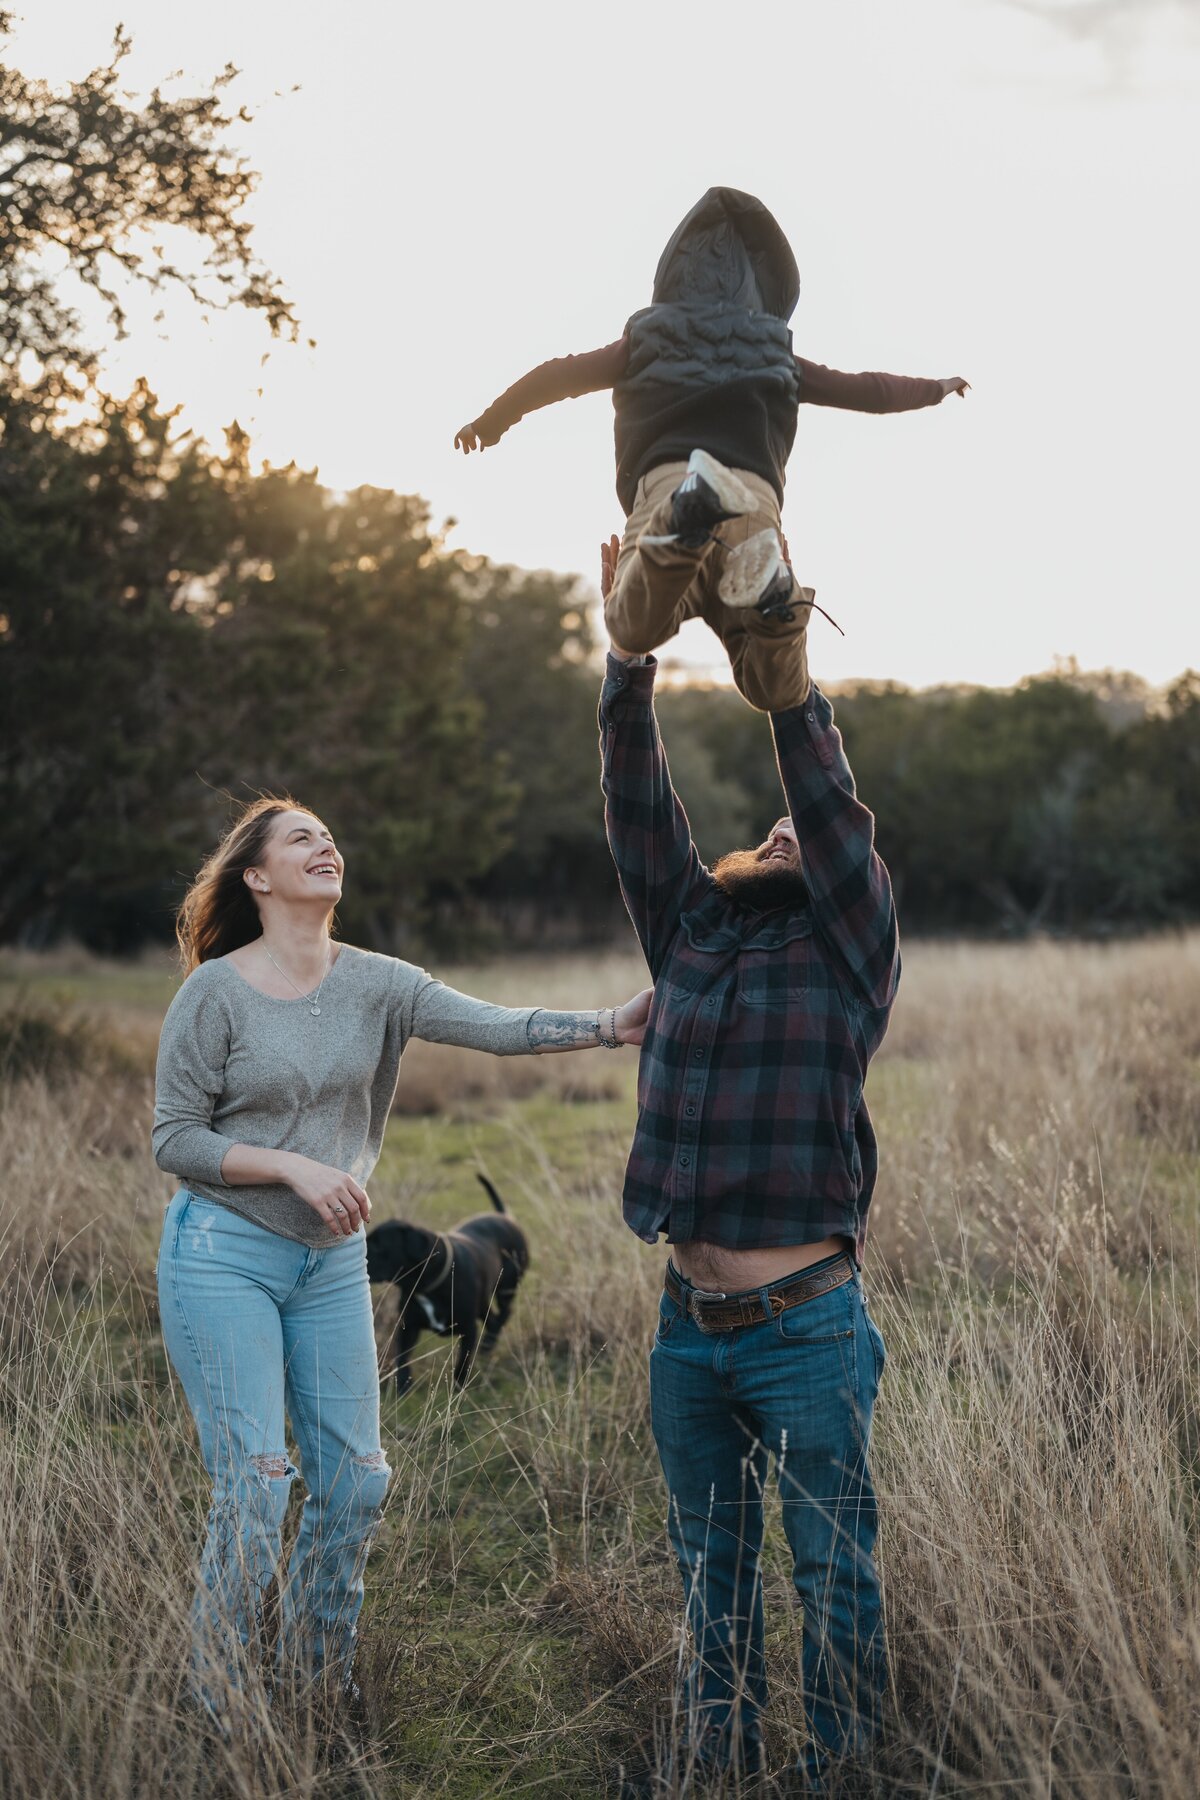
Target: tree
102 532
174 629
528 661
116 193
979 796
339 627
1164 750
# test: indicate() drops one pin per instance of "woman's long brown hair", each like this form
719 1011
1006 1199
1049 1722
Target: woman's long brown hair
218 913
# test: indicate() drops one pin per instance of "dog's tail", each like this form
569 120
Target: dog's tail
491 1193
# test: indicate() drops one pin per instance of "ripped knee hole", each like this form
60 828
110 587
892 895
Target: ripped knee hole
374 1463
274 1466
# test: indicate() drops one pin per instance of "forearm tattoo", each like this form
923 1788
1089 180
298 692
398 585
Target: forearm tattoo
561 1030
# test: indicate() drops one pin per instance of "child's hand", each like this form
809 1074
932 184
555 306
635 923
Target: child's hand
467 440
954 384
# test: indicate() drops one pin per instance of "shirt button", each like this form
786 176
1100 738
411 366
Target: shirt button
684 1161
697 1056
811 717
711 1001
690 1110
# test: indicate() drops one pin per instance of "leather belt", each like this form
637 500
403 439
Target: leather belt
725 1312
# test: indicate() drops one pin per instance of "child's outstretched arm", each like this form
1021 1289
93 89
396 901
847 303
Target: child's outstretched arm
873 391
563 378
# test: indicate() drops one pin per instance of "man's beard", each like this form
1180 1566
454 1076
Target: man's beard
760 886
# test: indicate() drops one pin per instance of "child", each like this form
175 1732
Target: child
706 390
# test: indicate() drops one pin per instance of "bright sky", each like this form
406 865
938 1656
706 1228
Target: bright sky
1001 190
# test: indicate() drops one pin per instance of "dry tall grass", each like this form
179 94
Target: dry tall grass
1035 1267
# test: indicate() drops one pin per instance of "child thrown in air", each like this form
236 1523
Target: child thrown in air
706 391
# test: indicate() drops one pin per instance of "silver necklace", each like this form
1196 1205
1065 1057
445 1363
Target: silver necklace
314 997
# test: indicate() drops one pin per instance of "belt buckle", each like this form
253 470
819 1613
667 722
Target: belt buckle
695 1302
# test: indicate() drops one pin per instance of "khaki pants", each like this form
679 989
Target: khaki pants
657 587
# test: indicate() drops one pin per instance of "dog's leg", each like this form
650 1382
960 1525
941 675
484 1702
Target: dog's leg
466 1350
498 1313
408 1331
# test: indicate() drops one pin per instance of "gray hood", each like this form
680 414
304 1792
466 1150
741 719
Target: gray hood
730 249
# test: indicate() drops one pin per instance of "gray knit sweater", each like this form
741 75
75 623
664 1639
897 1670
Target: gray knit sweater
239 1067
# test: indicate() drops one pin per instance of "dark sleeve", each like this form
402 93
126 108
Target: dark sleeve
659 868
849 886
870 392
563 378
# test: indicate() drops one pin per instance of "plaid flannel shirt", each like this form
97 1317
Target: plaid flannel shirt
752 1129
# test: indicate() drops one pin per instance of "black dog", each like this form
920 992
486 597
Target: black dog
452 1281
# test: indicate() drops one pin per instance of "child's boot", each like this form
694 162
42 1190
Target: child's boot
708 494
756 574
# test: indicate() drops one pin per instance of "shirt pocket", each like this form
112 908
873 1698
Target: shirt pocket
775 966
698 956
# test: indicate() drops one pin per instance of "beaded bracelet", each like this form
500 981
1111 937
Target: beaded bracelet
612 1042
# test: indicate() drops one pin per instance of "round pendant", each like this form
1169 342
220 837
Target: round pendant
314 1010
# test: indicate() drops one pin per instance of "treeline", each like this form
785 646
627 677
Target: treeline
176 629
1070 803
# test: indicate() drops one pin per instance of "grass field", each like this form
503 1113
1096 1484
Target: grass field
1034 1266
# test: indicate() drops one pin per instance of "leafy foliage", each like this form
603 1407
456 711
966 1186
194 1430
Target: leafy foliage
174 629
116 193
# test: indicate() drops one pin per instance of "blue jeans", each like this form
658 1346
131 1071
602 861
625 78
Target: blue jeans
802 1389
253 1323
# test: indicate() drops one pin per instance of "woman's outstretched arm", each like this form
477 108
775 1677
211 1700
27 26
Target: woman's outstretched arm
611 1026
442 1015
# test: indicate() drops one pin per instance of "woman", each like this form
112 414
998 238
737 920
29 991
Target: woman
276 1070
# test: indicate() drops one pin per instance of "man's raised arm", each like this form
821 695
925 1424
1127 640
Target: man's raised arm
848 884
648 833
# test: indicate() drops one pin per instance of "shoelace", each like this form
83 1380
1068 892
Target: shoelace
784 609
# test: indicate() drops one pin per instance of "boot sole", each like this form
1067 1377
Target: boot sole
735 497
731 497
751 568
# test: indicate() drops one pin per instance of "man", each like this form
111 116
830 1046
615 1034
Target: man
774 974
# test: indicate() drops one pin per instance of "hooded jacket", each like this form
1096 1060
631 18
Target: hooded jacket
710 359
709 362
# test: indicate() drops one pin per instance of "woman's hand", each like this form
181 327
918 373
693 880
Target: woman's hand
334 1196
629 1021
467 439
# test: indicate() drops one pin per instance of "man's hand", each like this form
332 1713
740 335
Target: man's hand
955 384
629 1021
468 439
608 564
608 573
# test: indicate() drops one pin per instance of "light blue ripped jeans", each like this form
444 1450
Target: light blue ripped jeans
255 1323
